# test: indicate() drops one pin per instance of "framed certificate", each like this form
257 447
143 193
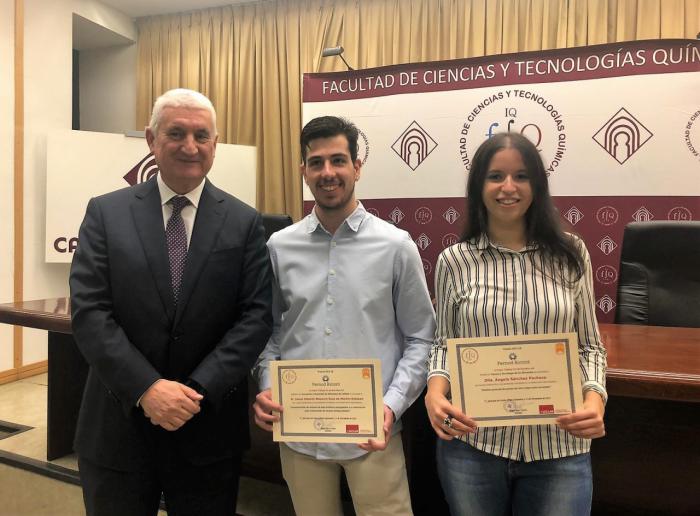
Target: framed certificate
328 401
518 380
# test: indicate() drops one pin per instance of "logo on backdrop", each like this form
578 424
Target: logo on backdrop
451 215
606 304
396 215
574 215
427 268
449 239
423 215
622 136
373 211
414 145
642 215
607 216
362 147
606 274
423 241
691 134
515 110
607 245
679 213
142 171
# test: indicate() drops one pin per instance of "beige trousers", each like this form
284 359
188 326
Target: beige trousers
377 482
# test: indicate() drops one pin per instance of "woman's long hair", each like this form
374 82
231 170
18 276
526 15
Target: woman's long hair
542 222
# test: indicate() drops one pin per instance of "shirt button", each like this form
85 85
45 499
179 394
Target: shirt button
328 331
329 300
331 272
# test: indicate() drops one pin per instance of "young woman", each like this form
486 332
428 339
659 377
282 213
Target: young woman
515 272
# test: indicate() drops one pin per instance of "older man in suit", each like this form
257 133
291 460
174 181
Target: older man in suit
170 295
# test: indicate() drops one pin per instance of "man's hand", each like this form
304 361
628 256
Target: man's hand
170 404
265 409
373 444
587 423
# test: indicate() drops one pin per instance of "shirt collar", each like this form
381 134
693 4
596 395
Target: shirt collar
353 221
166 193
482 243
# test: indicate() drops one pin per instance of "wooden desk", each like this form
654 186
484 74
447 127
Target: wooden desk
653 362
649 462
67 367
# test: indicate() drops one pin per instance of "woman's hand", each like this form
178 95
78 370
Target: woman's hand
587 423
447 421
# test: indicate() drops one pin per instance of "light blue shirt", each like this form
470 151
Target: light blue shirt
359 293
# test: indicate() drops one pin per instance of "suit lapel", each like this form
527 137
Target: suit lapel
207 225
148 217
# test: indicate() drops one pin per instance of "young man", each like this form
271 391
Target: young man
348 285
171 305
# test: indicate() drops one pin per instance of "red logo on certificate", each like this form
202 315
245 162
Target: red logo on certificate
546 409
365 373
352 429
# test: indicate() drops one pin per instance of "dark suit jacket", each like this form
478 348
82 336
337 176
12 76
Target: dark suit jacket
125 324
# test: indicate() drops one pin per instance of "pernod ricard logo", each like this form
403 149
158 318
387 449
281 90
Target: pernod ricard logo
414 145
622 136
142 171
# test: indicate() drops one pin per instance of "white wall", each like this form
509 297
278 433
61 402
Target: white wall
7 100
108 79
48 87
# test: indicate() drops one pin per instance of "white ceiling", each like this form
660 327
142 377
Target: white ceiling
88 35
138 8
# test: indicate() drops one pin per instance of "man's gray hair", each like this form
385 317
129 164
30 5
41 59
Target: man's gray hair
179 98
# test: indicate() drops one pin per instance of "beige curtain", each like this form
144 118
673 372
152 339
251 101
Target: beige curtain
249 59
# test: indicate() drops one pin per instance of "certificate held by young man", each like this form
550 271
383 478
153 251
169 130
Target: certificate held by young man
516 380
328 401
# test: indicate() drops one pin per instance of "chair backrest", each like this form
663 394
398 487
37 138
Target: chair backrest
274 222
659 283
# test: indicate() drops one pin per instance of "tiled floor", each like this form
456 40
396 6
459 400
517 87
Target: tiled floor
24 402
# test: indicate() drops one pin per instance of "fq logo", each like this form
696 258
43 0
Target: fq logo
515 110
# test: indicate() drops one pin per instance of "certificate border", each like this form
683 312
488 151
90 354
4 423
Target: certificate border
372 379
567 343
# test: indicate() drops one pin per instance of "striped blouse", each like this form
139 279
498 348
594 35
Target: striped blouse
484 290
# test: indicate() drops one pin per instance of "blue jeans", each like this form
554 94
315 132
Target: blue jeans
480 484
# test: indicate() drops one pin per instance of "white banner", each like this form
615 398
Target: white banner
618 128
450 125
82 164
